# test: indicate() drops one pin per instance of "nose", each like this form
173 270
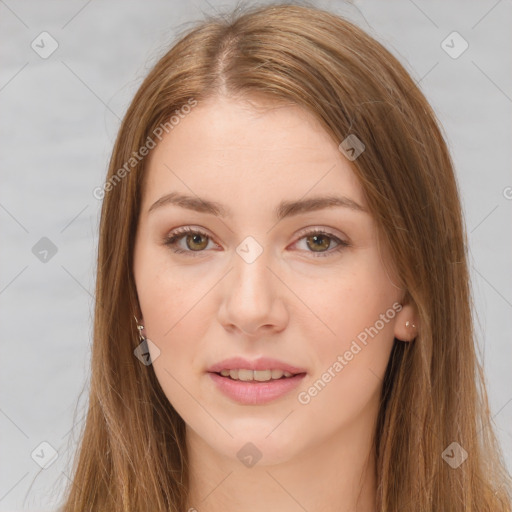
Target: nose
253 301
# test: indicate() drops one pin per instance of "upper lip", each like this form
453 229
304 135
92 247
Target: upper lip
262 363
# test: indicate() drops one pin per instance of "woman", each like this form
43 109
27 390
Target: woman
283 316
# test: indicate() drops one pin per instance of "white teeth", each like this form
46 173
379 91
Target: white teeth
262 375
259 375
277 374
244 374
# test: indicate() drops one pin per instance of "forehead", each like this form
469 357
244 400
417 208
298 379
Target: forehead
248 153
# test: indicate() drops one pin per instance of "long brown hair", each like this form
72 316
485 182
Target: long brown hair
133 454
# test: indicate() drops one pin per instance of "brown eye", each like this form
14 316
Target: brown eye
194 243
191 242
318 242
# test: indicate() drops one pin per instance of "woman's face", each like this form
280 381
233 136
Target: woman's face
253 280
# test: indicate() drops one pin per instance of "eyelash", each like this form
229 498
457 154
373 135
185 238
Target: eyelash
172 239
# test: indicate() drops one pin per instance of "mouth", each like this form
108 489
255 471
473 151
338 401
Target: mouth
256 376
244 388
257 381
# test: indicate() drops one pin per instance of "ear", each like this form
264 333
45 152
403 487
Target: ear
406 323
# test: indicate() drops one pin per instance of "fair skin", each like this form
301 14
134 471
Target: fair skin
298 302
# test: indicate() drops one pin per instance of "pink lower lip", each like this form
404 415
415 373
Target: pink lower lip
254 392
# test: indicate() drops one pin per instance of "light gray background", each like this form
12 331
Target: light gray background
59 117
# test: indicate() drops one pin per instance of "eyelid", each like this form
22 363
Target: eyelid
172 238
321 229
311 231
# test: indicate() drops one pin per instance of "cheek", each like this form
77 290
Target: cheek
178 310
164 300
351 298
349 367
173 312
357 323
176 322
165 291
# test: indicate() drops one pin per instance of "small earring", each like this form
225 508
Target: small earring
142 352
139 327
407 324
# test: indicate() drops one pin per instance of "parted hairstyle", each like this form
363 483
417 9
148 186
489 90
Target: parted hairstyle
132 454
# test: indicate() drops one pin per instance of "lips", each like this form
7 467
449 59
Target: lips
263 363
256 393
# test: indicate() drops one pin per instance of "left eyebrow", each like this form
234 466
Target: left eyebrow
284 209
